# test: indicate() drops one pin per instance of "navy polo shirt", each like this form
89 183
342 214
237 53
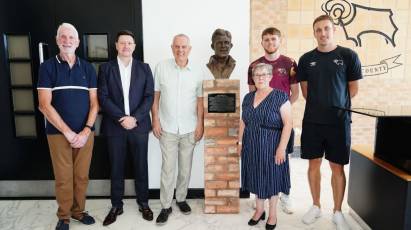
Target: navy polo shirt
327 75
70 90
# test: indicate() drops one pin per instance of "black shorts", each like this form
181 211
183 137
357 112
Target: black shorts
333 140
290 145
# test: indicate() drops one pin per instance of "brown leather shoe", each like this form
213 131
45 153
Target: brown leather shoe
112 216
146 212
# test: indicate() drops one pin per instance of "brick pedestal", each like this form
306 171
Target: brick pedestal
221 162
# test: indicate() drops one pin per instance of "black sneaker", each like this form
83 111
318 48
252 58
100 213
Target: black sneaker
86 219
163 216
184 207
62 225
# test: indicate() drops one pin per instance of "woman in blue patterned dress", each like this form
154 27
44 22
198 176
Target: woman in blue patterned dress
265 128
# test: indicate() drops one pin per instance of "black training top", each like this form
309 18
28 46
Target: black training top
327 76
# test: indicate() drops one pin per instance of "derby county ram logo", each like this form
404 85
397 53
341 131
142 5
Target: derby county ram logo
345 15
338 62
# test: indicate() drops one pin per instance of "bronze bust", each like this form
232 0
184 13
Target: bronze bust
221 64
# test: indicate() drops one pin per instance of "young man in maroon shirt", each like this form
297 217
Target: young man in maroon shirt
284 79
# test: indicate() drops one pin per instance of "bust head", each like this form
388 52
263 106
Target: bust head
221 64
221 43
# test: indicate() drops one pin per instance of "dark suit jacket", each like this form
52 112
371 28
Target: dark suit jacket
110 95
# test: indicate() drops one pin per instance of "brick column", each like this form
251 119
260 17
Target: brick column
221 162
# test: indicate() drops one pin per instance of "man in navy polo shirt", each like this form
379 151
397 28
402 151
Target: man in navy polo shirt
67 90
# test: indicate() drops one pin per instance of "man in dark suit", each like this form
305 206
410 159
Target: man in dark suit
125 91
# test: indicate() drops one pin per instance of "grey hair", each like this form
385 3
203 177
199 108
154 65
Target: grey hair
68 26
181 36
263 66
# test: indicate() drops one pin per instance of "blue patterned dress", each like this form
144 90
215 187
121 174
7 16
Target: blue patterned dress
259 173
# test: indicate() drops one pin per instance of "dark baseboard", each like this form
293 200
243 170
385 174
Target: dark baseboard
194 193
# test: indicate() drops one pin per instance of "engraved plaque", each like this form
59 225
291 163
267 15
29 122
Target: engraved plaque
221 103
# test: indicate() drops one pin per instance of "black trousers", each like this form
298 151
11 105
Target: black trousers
137 145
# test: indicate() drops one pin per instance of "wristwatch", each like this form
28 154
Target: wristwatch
88 126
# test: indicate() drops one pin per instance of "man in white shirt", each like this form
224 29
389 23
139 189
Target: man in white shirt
126 96
177 115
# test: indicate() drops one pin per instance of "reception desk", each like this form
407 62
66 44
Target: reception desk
378 192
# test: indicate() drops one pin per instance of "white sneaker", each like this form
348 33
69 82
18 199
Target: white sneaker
312 215
286 204
340 221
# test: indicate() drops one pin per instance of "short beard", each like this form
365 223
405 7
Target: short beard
270 53
68 52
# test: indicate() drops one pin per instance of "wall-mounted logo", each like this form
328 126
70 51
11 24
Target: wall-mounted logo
382 67
346 15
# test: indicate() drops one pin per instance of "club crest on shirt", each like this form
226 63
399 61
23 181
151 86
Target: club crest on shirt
313 63
282 71
338 62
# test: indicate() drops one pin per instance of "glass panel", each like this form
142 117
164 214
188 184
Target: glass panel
25 126
96 65
97 125
20 74
23 100
97 46
18 46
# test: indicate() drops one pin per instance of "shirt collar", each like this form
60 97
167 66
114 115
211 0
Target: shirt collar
120 64
60 60
188 66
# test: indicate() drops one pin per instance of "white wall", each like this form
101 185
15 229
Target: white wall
162 20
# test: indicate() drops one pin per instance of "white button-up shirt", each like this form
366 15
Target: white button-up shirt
179 89
125 75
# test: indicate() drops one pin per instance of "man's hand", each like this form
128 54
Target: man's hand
128 122
279 156
70 136
82 138
156 128
198 133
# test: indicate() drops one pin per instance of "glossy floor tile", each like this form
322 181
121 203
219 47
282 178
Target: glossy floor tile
40 214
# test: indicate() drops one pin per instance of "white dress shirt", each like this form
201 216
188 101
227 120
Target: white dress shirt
125 75
179 89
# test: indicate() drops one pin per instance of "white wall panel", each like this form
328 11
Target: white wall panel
198 19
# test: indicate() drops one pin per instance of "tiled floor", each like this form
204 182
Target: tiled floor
36 215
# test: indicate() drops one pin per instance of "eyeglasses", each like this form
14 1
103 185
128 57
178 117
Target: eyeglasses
263 75
126 43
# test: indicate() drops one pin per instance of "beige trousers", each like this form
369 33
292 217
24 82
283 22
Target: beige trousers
176 149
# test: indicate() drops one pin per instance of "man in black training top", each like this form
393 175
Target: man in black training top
329 78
